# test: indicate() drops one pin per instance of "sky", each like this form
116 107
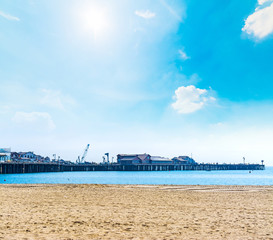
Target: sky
163 77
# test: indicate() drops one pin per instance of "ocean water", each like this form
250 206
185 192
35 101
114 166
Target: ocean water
261 177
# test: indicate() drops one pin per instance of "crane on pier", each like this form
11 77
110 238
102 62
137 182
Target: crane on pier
81 159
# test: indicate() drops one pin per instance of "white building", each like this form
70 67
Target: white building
4 154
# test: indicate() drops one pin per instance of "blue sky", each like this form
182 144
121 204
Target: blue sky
164 77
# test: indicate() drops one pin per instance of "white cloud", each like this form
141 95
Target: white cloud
260 23
9 17
183 55
261 2
42 118
145 14
190 99
55 99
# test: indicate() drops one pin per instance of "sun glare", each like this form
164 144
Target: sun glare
95 21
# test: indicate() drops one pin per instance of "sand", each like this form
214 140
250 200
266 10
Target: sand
135 212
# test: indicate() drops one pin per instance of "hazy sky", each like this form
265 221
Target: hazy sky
163 77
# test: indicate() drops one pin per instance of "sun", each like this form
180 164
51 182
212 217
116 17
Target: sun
94 21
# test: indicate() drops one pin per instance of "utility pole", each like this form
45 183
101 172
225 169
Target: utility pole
59 163
107 154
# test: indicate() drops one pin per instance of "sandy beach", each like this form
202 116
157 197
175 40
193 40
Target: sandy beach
135 212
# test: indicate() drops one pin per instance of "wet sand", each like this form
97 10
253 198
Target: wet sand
135 212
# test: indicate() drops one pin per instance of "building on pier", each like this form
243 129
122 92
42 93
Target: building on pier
183 160
160 160
138 159
28 157
130 159
5 154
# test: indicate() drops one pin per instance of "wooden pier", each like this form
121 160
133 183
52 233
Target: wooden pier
15 167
